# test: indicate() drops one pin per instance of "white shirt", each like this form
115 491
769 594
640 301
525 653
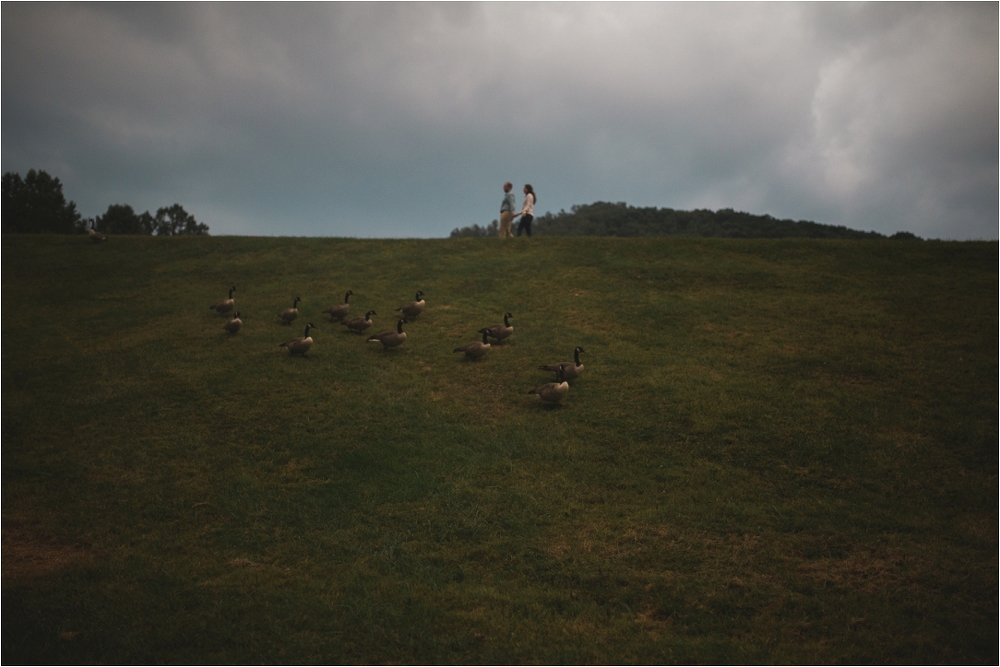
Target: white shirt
528 207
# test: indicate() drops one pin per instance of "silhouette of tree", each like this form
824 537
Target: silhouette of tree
122 219
36 205
476 231
175 221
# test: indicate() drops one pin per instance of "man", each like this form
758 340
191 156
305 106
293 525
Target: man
507 211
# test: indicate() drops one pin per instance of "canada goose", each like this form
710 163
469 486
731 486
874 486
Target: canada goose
233 324
391 338
302 344
413 308
289 314
553 392
340 311
95 235
475 350
359 324
500 331
571 371
225 305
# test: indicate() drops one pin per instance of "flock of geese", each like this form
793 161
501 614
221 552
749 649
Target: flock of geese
550 392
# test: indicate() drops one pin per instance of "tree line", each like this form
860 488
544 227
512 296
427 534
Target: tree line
620 219
35 204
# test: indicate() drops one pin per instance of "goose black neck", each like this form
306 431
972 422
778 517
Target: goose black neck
399 326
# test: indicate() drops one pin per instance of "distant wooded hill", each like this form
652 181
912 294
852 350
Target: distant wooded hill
620 219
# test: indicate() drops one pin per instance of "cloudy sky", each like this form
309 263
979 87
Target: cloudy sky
403 120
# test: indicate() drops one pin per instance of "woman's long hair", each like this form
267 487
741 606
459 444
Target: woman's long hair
534 197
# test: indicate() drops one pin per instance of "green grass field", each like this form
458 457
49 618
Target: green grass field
781 452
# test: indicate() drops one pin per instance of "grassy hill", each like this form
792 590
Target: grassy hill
781 451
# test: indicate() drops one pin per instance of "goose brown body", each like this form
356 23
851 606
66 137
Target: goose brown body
289 314
301 344
233 324
571 370
500 331
340 311
552 392
359 324
95 235
224 306
413 308
476 350
391 338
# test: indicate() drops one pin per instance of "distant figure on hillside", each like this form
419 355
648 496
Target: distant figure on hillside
507 211
527 210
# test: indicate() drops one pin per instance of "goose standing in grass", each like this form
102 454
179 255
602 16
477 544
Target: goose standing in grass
289 314
571 371
553 392
359 324
301 344
475 350
224 306
95 235
413 308
341 310
500 331
391 338
234 323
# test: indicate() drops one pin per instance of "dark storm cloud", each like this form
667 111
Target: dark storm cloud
389 119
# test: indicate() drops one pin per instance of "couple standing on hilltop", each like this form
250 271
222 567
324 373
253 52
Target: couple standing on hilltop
507 214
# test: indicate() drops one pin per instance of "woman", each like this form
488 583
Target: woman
527 210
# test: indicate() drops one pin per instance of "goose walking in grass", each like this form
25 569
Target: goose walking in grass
413 308
234 323
341 310
391 338
95 235
359 324
224 306
500 331
571 371
289 314
301 344
476 350
553 392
